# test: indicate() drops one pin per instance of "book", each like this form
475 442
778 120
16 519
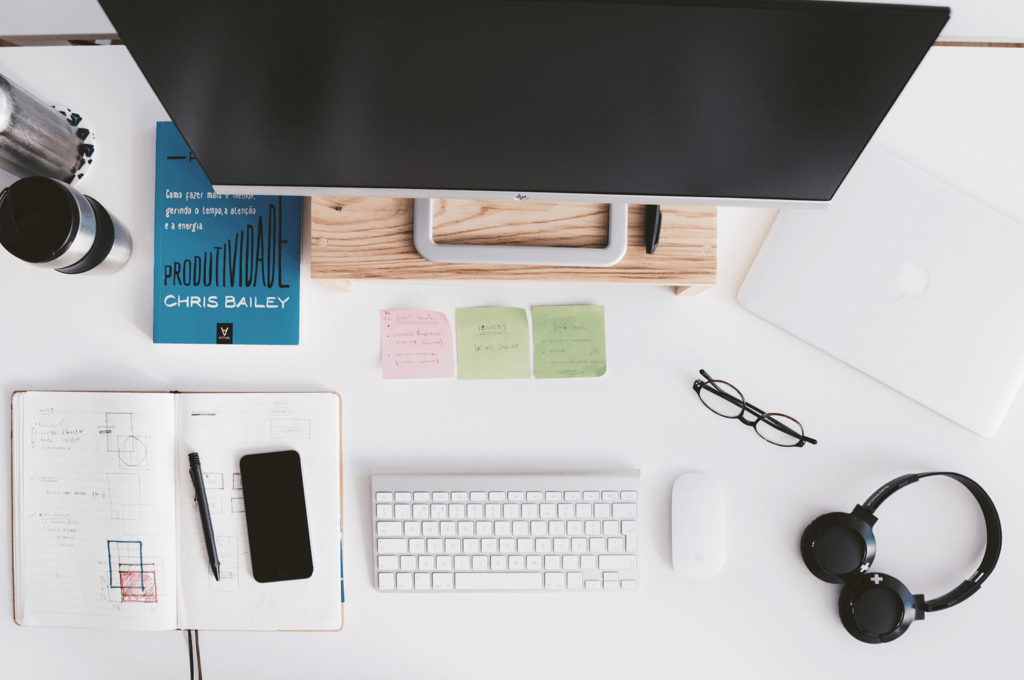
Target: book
106 529
225 267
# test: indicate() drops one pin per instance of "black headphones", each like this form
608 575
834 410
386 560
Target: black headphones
839 548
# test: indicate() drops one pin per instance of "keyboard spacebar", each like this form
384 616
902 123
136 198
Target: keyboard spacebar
496 581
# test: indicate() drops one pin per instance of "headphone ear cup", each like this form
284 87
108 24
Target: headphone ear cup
876 608
838 547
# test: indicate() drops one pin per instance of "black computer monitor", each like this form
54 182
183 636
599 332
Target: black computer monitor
739 102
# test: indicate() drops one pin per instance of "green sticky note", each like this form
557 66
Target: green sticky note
493 343
568 342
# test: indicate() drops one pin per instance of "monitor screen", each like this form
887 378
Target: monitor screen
570 100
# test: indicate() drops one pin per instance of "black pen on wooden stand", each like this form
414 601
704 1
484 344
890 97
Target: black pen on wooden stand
196 473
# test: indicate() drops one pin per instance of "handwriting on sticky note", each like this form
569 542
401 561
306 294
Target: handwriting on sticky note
569 342
416 344
494 343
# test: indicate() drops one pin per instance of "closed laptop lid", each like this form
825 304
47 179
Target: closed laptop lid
908 280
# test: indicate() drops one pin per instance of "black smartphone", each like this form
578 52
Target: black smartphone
275 516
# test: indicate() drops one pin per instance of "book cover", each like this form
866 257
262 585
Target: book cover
225 267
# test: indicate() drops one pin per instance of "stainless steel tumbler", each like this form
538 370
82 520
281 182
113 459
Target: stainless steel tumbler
35 139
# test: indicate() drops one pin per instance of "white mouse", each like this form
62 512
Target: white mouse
698 526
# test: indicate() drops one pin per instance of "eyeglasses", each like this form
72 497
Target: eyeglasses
727 401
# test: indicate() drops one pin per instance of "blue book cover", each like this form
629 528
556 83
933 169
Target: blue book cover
226 267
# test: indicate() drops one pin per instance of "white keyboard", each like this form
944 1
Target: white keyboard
499 532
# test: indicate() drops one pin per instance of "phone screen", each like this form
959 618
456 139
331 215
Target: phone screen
275 515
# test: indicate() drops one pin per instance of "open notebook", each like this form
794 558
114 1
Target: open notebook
106 530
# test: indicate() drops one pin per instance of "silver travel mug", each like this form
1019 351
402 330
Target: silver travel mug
53 225
35 139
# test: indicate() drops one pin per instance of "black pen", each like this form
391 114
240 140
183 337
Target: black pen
196 473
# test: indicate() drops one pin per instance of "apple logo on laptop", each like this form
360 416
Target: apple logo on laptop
912 281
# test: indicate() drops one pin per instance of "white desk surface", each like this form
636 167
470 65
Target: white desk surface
763 616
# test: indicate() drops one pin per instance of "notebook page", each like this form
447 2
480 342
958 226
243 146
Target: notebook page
222 428
94 510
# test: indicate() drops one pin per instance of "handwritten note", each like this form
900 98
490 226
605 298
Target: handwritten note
569 342
416 344
494 343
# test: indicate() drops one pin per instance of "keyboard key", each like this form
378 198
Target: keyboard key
387 562
524 545
465 528
510 511
574 580
438 511
403 497
477 496
459 496
457 511
498 563
610 495
384 496
421 496
597 545
412 529
462 563
579 545
556 528
452 546
479 563
539 528
422 581
507 545
552 562
426 563
417 546
588 562
553 495
523 580
403 511
386 581
391 545
561 545
533 562
534 496
435 545
471 545
602 510
483 528
611 527
554 580
592 527
448 529
611 585
492 511
516 562
565 510
573 496
570 562
616 562
488 545
383 511
520 528
503 528
444 562
629 531
529 511
548 510
592 585
543 545
574 528
442 581
610 576
408 562
439 496
474 511
583 510
404 581
430 529
628 495
627 584
420 511
591 495
496 496
616 545
516 496
623 509
389 528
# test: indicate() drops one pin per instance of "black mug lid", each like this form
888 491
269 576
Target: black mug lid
38 219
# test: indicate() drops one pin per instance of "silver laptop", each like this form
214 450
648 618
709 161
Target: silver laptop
908 280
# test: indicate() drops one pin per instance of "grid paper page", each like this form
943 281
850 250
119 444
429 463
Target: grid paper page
222 428
94 510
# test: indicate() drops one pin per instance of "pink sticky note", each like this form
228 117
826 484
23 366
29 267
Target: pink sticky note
416 344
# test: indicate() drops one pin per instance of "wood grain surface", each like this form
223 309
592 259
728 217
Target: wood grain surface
370 239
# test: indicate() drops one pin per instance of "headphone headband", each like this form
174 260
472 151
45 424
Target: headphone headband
993 531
